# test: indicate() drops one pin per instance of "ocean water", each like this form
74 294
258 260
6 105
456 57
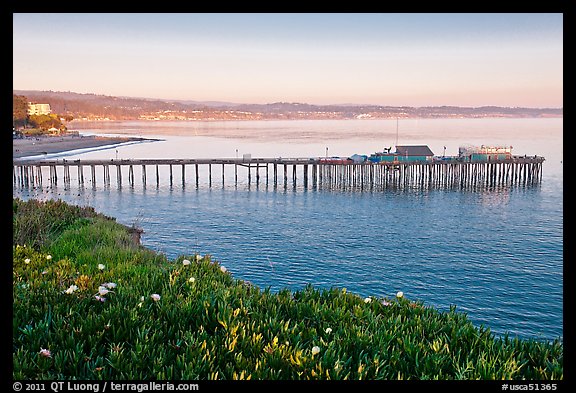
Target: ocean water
495 253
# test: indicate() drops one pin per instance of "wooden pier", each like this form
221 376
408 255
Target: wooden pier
306 172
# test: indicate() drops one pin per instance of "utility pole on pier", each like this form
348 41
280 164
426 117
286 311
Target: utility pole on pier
396 132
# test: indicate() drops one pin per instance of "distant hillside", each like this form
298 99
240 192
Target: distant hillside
93 106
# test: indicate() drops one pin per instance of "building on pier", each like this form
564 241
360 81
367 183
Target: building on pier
404 153
484 153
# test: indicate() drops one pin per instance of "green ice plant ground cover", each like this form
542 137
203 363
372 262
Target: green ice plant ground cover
89 303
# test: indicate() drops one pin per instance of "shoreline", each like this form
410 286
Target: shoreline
33 146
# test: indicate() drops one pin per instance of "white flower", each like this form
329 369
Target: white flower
45 272
315 350
368 300
224 270
48 257
198 257
191 279
102 290
400 294
385 303
45 353
185 262
155 297
328 330
141 298
101 266
71 289
27 260
109 285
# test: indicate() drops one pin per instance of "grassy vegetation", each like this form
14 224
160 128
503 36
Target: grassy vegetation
90 304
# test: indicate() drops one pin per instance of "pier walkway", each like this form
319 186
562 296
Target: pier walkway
307 172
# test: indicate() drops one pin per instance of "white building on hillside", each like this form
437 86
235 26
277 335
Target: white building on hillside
38 109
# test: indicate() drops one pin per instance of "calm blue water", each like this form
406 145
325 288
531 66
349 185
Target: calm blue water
497 254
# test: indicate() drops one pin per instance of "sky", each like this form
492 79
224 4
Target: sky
428 59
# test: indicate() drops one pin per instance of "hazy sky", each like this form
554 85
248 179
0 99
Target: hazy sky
425 59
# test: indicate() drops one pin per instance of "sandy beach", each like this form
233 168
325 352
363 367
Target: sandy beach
57 144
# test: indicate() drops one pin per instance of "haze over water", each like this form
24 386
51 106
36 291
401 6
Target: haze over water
497 254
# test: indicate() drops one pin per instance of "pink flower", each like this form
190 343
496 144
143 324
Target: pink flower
45 353
155 297
100 298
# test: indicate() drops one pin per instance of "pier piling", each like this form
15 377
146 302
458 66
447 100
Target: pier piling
308 172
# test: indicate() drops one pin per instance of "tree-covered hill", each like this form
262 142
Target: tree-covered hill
129 108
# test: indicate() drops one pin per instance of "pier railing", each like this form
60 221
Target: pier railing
306 172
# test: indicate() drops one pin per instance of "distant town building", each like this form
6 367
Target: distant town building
38 109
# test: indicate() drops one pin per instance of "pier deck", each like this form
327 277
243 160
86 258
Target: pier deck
312 172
